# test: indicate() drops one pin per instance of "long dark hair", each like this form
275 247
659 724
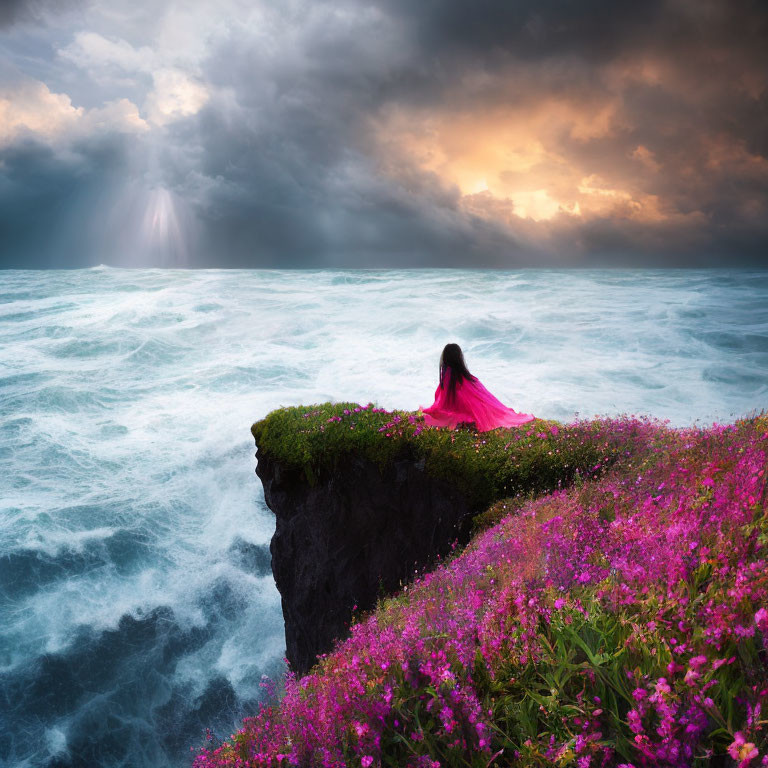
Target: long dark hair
453 358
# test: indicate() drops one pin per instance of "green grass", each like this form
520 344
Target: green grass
534 458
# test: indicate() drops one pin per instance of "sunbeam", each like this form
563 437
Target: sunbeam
160 231
147 225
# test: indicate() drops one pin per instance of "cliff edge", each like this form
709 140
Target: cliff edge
364 497
357 533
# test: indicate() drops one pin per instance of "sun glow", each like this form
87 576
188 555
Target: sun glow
509 163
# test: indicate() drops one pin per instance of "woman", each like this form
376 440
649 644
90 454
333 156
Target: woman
460 397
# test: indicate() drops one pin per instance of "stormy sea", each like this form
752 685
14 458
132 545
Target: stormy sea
137 606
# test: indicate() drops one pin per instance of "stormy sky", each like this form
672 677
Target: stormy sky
383 133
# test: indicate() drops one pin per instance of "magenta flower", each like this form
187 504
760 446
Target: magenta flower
667 586
743 751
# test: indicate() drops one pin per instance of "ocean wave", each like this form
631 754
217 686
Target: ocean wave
135 576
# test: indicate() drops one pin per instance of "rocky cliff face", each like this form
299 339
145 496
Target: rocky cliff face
353 535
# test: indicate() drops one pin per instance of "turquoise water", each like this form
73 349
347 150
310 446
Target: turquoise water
136 599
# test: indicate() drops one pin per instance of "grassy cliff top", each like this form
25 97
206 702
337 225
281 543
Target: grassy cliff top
621 622
485 466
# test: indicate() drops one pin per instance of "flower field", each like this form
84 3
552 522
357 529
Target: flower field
619 621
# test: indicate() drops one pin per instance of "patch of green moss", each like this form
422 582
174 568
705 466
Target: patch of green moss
485 466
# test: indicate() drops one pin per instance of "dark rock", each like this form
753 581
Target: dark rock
355 534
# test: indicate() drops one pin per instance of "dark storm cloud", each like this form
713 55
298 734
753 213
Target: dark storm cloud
34 11
298 194
48 203
704 120
298 159
300 188
9 10
591 29
279 178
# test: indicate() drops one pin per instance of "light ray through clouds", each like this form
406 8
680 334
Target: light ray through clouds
161 231
146 226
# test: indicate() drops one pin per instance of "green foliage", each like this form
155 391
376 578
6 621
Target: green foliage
485 466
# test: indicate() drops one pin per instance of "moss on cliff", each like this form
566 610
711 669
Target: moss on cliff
484 466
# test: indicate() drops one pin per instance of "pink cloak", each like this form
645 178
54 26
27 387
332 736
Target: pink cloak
473 402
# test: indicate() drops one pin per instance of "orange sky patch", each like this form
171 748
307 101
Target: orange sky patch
507 161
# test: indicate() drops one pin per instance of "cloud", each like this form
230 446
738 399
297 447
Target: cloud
34 11
400 133
93 52
174 93
52 200
30 109
9 11
588 145
35 109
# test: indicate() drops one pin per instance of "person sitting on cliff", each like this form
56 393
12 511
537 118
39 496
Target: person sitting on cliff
461 398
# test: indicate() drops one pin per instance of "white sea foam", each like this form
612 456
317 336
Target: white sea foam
126 461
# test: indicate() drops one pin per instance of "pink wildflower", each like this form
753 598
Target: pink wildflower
742 750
